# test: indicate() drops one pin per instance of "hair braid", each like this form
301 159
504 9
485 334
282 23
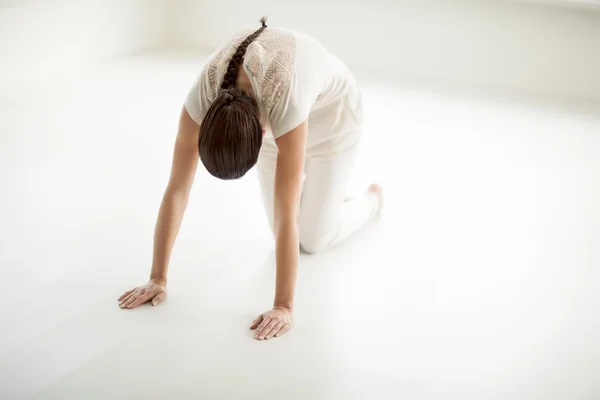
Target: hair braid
232 68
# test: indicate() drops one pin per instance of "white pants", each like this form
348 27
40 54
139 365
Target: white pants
325 218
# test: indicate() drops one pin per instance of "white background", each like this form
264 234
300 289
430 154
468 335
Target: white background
543 47
480 280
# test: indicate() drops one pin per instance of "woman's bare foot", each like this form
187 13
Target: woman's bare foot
378 191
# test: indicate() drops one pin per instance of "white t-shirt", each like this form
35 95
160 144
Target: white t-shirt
294 78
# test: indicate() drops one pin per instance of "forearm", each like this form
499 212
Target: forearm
167 227
287 253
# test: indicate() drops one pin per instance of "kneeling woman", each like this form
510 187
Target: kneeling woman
277 99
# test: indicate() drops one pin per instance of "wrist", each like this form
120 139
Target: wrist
159 281
281 306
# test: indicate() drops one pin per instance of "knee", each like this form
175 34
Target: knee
312 244
315 235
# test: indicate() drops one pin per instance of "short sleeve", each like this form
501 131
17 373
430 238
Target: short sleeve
286 91
197 100
294 105
192 102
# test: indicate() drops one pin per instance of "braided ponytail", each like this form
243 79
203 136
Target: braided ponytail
230 133
232 68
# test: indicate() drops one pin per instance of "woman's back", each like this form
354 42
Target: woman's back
294 78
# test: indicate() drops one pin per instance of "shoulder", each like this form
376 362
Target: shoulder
269 62
272 42
207 84
216 65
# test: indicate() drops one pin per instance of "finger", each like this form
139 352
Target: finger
126 299
125 294
256 322
158 298
267 328
141 299
284 329
262 326
274 330
130 300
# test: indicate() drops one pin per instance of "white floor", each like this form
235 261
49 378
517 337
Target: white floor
480 281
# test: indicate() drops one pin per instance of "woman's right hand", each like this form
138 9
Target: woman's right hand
155 290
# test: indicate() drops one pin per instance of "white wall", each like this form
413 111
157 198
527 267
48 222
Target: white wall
528 47
540 47
45 39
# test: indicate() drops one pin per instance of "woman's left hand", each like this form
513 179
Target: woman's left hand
273 323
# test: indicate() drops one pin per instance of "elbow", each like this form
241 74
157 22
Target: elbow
285 227
307 242
177 196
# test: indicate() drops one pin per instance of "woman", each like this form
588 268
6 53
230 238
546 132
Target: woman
277 99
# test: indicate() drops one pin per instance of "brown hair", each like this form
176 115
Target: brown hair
231 133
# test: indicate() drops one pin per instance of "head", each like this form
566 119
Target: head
231 133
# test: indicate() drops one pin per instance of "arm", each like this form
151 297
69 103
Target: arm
175 198
172 209
288 188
